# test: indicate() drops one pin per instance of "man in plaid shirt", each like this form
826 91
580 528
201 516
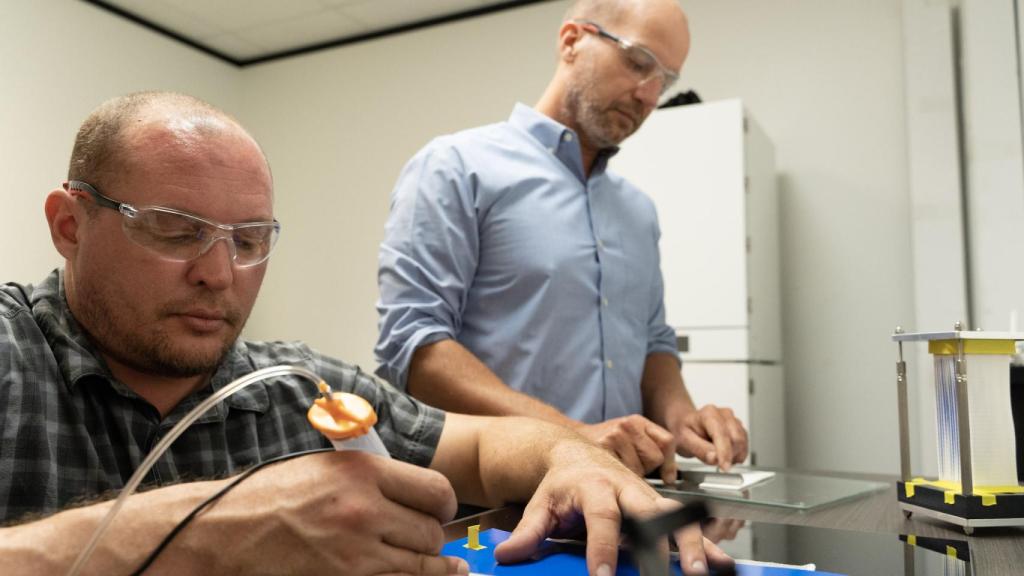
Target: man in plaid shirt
99 360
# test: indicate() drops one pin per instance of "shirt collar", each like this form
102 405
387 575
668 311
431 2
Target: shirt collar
237 363
558 139
75 354
253 398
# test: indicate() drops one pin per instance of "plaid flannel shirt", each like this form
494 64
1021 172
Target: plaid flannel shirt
69 430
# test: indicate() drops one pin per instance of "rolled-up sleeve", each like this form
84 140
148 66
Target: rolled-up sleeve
428 258
660 336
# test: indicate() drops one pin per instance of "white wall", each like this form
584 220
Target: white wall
339 125
995 164
825 80
936 216
58 60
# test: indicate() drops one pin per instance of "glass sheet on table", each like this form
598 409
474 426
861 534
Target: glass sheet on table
786 490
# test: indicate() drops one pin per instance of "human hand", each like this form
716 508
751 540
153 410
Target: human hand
714 435
587 486
718 529
338 512
638 443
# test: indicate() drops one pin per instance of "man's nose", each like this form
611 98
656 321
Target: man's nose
648 91
215 266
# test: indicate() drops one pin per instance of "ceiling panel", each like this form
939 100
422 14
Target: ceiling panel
389 13
254 30
232 15
239 48
304 30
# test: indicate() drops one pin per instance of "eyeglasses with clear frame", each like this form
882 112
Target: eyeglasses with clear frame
638 58
179 236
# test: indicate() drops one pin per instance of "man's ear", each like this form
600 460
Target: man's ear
568 35
64 217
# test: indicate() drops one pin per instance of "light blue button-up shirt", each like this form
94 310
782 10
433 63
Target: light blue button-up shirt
498 240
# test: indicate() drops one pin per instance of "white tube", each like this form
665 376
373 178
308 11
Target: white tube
369 442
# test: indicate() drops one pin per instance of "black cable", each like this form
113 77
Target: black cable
206 503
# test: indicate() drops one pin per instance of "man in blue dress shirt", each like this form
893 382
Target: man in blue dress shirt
519 276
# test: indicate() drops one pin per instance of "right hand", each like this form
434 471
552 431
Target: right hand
334 513
719 529
638 443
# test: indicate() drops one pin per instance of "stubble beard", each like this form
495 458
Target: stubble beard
151 351
593 120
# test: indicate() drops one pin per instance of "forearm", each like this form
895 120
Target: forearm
496 461
447 375
51 545
665 398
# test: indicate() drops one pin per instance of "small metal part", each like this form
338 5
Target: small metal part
955 335
325 390
904 416
963 422
903 403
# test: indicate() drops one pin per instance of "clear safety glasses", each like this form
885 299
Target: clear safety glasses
180 236
640 60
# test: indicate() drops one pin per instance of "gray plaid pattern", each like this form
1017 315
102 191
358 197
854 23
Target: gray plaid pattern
69 431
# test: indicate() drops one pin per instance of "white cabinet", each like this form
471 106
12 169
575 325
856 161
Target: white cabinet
710 170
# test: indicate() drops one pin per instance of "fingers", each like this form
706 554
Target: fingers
692 558
626 451
601 514
718 529
738 435
418 488
537 522
717 558
693 443
608 435
638 443
667 442
406 562
410 529
714 425
655 445
715 436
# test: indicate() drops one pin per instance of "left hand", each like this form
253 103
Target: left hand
641 445
586 483
714 435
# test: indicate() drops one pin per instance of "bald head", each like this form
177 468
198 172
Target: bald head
103 143
612 12
616 58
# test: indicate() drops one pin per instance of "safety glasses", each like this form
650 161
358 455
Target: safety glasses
180 236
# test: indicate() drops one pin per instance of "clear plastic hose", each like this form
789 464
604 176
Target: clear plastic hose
171 436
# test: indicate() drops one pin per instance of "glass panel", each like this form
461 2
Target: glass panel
787 490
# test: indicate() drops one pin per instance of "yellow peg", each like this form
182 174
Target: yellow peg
473 538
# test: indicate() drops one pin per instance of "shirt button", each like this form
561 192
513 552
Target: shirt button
609 364
604 301
600 243
567 136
